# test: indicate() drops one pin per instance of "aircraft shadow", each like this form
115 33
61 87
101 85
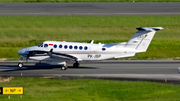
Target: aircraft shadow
38 66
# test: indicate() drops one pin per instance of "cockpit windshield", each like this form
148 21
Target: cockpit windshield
40 45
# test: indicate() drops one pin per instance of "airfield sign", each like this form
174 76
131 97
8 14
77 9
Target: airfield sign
11 90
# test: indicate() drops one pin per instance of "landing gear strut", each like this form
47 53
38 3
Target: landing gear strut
76 64
64 67
20 64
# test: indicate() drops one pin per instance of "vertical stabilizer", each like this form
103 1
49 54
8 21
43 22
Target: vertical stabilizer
141 40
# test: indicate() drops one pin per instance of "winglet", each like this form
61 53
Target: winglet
149 28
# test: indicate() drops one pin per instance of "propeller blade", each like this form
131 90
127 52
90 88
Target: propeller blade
27 56
26 60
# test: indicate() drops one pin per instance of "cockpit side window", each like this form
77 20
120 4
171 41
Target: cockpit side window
45 45
40 45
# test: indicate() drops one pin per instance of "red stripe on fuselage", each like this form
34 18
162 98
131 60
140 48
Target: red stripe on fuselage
50 44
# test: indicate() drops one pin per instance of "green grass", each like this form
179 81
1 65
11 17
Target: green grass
39 89
70 1
22 31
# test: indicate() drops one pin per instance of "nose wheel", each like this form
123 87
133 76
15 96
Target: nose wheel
20 64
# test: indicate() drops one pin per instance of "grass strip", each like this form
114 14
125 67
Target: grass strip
39 89
71 1
23 31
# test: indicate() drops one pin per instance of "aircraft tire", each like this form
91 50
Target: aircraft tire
63 68
20 64
76 65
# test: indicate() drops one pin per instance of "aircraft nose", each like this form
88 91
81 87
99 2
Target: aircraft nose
22 51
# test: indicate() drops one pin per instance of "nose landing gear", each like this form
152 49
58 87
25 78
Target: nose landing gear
20 64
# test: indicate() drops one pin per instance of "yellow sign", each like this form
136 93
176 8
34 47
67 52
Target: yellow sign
13 90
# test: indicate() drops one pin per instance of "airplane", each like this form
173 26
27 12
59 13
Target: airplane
59 52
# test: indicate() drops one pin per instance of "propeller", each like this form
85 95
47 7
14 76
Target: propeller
27 56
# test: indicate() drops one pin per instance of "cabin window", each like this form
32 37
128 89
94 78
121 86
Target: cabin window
75 47
60 46
55 46
45 45
65 46
80 47
85 48
103 49
70 47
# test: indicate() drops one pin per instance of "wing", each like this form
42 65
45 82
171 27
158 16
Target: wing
62 56
52 54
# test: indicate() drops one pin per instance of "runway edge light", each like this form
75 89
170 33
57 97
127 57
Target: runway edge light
12 90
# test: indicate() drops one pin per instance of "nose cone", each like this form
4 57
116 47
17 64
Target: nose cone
22 51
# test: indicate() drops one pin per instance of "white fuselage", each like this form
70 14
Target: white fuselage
82 51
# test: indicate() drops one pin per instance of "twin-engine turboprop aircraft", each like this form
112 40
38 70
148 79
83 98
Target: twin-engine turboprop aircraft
58 53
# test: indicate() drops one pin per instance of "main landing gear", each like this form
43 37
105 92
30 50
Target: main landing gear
64 67
76 65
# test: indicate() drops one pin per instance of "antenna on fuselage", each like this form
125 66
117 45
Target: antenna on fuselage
91 42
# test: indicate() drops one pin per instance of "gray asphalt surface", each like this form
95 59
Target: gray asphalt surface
89 8
153 70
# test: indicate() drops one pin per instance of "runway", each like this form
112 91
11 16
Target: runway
150 70
136 70
89 8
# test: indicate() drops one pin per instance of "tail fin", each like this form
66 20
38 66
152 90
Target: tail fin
141 40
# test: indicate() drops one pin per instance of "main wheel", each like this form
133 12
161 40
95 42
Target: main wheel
76 65
63 68
20 64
